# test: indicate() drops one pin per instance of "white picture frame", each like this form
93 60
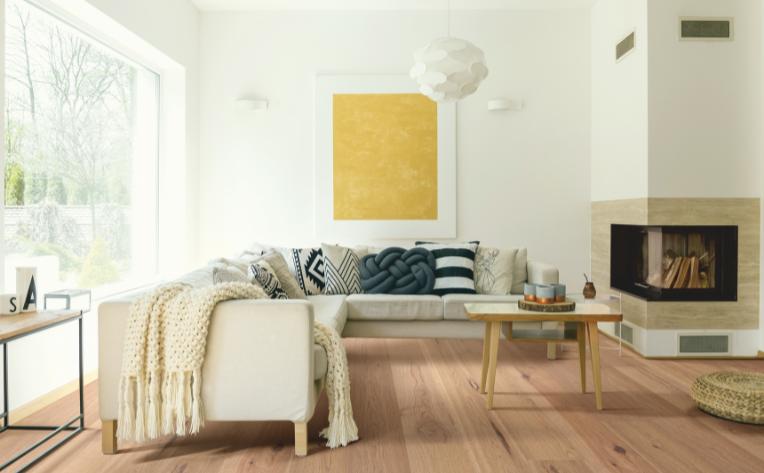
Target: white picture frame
329 229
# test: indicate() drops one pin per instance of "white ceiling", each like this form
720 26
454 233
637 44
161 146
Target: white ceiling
240 5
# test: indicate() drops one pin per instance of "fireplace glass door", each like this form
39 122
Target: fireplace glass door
675 262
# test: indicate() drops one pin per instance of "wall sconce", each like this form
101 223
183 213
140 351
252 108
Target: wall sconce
251 104
496 105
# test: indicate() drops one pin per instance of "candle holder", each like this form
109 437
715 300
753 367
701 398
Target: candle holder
529 292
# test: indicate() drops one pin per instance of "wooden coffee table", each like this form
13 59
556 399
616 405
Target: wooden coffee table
586 316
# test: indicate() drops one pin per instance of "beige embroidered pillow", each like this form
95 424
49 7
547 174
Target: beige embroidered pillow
494 270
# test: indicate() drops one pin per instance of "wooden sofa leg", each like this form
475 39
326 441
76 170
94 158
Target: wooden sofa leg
551 351
300 439
109 437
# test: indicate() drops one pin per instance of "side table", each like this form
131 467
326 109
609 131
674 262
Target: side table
22 325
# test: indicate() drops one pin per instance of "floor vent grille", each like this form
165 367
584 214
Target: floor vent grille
625 332
705 28
704 344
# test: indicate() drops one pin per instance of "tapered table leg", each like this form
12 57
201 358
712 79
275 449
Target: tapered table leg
493 355
581 336
486 351
594 347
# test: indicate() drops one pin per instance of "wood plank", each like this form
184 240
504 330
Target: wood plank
418 408
21 324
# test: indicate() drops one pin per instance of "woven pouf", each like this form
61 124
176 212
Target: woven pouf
734 396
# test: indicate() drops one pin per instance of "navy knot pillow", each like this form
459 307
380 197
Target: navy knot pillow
398 271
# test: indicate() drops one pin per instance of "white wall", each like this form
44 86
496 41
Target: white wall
705 103
167 33
619 101
523 177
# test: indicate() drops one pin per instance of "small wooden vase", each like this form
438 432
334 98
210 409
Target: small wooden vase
589 291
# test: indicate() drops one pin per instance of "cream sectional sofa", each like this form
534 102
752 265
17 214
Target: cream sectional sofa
261 361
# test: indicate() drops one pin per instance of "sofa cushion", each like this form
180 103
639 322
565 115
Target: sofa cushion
330 310
494 268
454 267
341 275
286 278
394 307
453 304
398 271
520 271
264 275
307 265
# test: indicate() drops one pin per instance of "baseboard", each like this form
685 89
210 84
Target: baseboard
632 349
49 398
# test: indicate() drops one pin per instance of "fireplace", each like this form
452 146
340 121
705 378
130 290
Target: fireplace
675 263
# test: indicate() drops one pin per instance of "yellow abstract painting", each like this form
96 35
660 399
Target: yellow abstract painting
385 163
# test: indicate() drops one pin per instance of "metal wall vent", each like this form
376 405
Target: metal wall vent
625 332
708 29
624 46
704 344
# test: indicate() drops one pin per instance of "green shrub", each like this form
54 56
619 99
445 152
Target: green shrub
14 184
98 267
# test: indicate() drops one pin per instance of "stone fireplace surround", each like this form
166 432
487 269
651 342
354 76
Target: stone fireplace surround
657 325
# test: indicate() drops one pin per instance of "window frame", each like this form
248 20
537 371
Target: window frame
78 26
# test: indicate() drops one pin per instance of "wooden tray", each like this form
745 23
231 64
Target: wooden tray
567 306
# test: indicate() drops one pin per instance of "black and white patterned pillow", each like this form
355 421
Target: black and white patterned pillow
307 265
263 274
341 270
454 267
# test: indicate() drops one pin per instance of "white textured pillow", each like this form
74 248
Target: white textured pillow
520 271
231 273
198 278
494 270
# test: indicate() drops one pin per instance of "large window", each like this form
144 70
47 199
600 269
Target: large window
81 140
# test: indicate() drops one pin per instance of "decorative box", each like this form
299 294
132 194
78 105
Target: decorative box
79 299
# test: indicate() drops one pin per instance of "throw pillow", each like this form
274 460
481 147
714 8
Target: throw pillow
398 271
454 267
494 270
341 275
200 277
307 265
281 268
221 274
263 274
520 271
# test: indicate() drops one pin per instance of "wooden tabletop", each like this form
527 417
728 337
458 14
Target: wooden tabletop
510 312
20 324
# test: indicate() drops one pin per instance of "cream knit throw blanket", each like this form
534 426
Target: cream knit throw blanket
160 386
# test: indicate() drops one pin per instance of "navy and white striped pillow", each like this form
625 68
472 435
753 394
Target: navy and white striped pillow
454 267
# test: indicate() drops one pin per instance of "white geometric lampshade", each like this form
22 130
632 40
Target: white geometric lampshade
449 69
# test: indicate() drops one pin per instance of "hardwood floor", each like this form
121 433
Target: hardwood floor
418 410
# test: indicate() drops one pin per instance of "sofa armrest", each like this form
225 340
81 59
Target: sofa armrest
542 273
259 362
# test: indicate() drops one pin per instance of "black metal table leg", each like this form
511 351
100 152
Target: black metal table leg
6 412
82 382
55 430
